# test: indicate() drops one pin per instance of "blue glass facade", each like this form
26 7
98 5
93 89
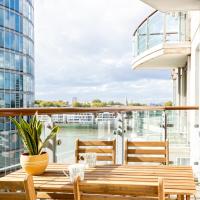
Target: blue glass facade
16 70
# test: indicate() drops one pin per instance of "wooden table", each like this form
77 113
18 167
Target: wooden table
177 179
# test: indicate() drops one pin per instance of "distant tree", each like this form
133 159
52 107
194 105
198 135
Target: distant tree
113 103
136 104
98 103
76 104
42 103
168 103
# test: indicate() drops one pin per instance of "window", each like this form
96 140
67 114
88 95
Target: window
7 60
1 2
12 4
12 83
17 82
17 43
12 100
6 18
7 3
12 61
21 83
12 20
20 43
17 23
7 100
1 59
2 102
1 80
17 5
1 17
21 100
12 40
7 81
17 62
7 40
1 38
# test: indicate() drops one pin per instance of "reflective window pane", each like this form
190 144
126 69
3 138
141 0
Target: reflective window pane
1 38
1 2
1 59
7 81
7 100
1 17
12 4
2 102
12 100
6 3
17 5
1 80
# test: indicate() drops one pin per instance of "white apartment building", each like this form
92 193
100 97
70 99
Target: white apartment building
57 118
105 117
170 38
80 118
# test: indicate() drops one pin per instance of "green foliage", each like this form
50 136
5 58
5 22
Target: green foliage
136 104
77 104
168 103
42 103
30 134
98 103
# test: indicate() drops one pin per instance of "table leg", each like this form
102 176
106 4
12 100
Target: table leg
180 197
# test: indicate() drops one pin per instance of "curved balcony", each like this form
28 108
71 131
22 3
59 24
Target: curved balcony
173 5
162 41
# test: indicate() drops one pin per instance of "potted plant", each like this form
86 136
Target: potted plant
34 161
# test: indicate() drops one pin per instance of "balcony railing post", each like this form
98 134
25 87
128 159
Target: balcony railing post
54 142
123 131
165 125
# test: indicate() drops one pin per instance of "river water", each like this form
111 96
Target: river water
68 136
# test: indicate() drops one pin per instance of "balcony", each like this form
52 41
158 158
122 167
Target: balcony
172 5
139 123
162 41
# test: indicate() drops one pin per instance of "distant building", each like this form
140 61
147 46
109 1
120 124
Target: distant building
81 118
16 72
105 117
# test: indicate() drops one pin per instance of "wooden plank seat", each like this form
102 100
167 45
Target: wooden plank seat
105 150
118 190
154 152
16 189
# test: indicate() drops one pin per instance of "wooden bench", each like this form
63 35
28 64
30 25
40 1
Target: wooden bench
156 152
113 190
106 150
17 189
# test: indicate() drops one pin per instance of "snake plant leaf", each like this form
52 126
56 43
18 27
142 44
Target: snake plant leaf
25 138
53 133
30 134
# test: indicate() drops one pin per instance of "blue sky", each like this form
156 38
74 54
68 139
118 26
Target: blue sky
83 49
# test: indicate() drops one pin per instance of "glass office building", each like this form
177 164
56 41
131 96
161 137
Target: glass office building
16 71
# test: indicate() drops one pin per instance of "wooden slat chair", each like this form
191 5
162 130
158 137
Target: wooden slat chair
154 152
109 190
17 190
106 150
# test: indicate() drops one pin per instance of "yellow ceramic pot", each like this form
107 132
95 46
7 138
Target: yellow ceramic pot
34 165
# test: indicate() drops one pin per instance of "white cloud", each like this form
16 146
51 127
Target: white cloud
84 49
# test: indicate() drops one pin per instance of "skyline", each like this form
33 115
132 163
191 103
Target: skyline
96 33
